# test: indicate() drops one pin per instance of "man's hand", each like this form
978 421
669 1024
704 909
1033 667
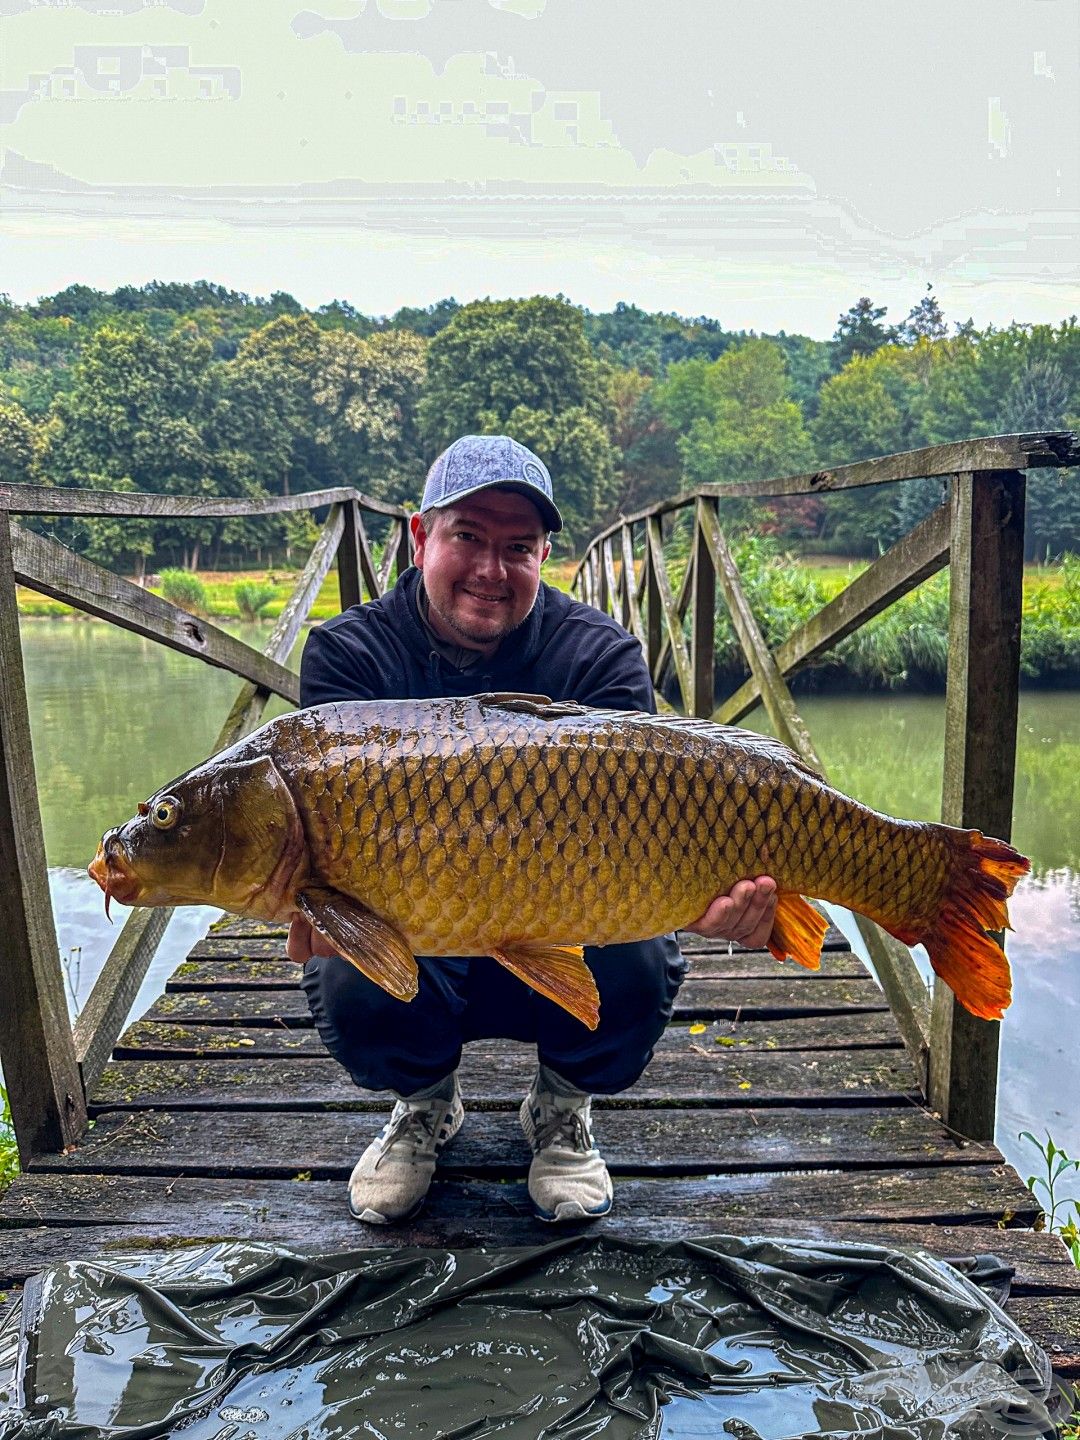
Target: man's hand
305 941
745 915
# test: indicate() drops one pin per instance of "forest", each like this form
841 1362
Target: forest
198 389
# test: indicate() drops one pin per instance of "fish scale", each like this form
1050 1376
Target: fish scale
513 827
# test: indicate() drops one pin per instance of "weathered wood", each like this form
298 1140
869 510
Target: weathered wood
49 500
495 1077
233 972
148 1039
661 660
251 701
696 1000
661 1142
654 615
914 558
41 1074
1030 451
810 1202
611 584
1052 1321
397 533
981 699
786 720
350 586
631 616
702 627
672 618
48 567
102 1016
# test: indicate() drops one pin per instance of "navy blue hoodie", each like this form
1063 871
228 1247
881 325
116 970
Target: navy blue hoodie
563 649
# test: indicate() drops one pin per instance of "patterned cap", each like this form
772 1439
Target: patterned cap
487 462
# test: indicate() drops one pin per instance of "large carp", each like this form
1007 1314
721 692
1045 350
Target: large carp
513 827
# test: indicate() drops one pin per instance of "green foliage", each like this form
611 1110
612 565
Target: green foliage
1058 1167
183 588
252 597
17 445
1050 639
9 1150
859 331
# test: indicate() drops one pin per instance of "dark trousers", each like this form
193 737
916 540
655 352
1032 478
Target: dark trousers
388 1044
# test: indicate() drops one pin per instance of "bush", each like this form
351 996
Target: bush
252 598
185 589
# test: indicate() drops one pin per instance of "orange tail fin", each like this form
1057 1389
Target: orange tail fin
973 965
798 931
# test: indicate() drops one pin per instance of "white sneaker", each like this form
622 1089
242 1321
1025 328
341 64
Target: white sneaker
391 1179
568 1179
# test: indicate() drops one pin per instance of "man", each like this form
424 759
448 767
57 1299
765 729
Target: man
472 616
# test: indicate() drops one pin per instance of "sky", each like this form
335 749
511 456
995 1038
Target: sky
763 162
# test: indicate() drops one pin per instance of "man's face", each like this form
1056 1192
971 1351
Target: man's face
481 564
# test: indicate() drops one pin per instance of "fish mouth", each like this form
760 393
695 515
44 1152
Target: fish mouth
111 870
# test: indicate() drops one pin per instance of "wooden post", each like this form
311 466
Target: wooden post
44 1088
986 592
654 614
404 549
350 589
702 633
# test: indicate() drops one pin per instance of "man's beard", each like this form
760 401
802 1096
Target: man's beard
472 637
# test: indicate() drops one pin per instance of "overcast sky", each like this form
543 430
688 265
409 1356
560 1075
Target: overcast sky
766 163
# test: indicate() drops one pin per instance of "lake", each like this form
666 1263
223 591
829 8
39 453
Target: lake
115 716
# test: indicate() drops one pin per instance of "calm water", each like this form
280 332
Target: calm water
114 717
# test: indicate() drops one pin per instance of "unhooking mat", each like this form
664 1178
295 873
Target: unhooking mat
582 1338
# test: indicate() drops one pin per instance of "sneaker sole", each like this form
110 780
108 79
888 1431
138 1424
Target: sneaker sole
569 1211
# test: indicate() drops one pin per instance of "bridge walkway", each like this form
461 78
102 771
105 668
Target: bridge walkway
779 1101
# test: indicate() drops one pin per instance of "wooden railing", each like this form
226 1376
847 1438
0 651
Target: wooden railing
49 1066
979 533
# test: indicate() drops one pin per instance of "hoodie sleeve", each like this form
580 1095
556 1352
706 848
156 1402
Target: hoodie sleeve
613 674
333 668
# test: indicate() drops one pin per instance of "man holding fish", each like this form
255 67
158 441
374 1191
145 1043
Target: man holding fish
473 617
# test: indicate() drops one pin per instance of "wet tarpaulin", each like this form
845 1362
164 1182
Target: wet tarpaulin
585 1337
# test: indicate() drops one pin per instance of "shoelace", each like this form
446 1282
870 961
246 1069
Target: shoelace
420 1121
568 1125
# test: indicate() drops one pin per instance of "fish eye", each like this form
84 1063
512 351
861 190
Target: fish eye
165 812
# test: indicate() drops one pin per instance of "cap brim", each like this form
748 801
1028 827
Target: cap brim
548 512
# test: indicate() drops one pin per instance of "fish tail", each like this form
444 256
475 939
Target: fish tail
982 876
798 931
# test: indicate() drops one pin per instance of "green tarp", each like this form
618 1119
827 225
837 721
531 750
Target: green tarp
582 1338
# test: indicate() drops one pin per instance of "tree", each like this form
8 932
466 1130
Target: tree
924 321
734 416
1038 399
503 363
366 393
17 445
859 331
647 463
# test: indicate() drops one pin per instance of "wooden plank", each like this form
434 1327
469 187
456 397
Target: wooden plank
696 1000
611 584
788 723
673 640
630 589
495 1077
914 558
42 1075
981 700
660 1142
350 586
279 974
1030 451
702 627
1052 1321
48 567
52 500
398 532
150 1039
809 1202
654 615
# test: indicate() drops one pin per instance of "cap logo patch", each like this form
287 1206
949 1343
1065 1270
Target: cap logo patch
535 476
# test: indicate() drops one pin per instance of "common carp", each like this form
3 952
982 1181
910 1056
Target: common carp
518 828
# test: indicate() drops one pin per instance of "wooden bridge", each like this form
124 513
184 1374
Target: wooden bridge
779 1101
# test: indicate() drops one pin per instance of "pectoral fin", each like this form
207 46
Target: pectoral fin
542 706
798 931
376 949
560 973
